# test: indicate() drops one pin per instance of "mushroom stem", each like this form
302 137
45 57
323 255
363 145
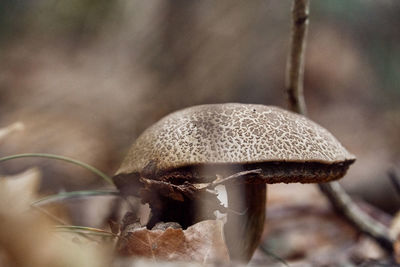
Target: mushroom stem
243 230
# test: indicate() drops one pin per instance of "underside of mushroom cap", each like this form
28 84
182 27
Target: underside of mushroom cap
267 173
240 136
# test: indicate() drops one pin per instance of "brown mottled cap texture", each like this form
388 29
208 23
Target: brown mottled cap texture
236 134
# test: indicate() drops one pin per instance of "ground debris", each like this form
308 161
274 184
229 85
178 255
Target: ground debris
202 242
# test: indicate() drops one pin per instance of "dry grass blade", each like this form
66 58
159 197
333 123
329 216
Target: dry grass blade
72 195
84 230
273 255
62 158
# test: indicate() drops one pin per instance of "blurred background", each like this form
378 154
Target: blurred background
87 77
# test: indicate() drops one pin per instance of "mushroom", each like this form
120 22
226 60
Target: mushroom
194 145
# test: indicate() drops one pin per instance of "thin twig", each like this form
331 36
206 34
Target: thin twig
216 182
345 206
295 61
338 197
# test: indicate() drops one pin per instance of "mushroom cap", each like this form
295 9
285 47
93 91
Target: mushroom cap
234 134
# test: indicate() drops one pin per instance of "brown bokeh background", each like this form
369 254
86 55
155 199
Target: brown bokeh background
87 77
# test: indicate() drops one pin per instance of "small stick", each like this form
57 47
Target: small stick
233 176
338 197
344 205
295 61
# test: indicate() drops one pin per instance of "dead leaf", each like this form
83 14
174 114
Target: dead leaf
19 191
396 248
395 234
143 262
27 237
394 230
202 242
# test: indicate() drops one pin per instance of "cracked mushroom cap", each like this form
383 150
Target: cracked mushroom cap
287 147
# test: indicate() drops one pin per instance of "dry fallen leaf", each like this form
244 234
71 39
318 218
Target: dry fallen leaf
202 242
27 237
18 192
143 262
396 247
394 230
395 233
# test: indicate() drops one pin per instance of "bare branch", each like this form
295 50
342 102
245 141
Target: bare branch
235 176
345 206
295 63
338 197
